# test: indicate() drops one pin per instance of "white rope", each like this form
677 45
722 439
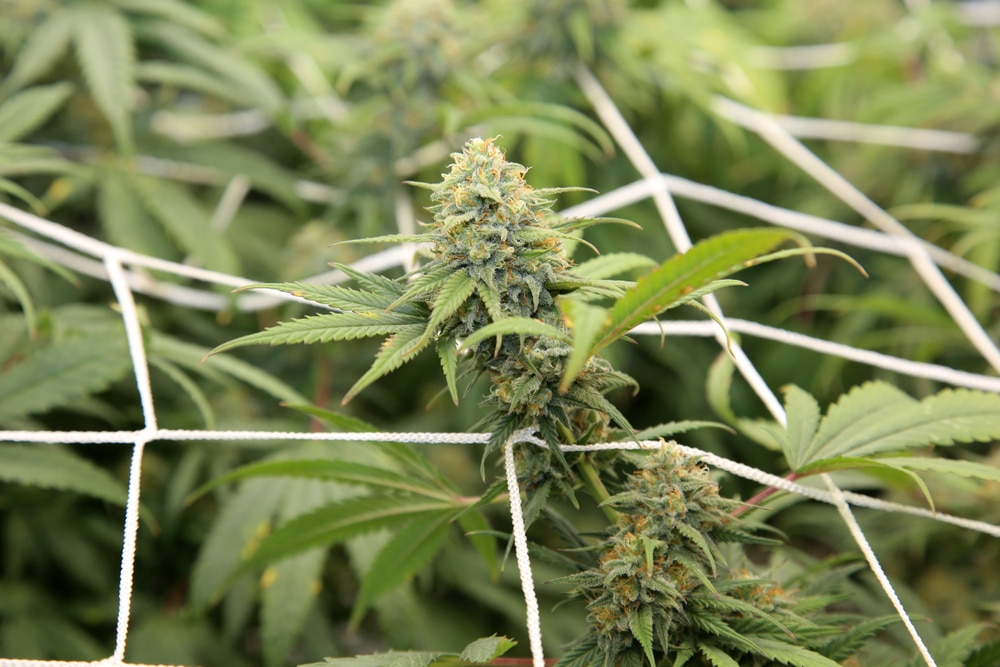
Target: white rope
859 537
533 619
772 132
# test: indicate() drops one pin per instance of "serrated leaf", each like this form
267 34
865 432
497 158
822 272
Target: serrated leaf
258 89
985 656
476 528
29 109
402 556
792 654
186 220
176 12
509 326
447 349
188 77
585 322
640 623
717 385
46 44
12 282
876 418
576 224
265 174
373 282
106 54
188 386
332 296
399 348
290 587
191 357
947 466
340 521
673 428
613 264
243 520
803 418
53 467
716 656
63 372
452 295
387 238
125 220
346 472
341 421
486 649
328 327
394 659
709 260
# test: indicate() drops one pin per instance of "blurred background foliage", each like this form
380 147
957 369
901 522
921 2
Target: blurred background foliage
248 136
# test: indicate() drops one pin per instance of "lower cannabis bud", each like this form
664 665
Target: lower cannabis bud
667 585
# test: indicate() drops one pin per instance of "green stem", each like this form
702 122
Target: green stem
592 480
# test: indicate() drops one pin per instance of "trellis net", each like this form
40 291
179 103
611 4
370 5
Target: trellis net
124 270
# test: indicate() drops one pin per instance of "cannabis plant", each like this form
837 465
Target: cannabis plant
498 295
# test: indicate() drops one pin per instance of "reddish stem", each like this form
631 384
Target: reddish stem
761 497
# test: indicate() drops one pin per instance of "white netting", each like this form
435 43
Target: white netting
123 269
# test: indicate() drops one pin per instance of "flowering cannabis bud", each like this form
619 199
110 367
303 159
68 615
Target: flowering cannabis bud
664 585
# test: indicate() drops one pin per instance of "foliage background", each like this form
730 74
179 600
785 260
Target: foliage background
183 131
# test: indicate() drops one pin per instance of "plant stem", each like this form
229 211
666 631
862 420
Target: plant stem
592 480
761 497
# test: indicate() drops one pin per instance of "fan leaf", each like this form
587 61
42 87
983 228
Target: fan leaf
405 554
709 260
106 53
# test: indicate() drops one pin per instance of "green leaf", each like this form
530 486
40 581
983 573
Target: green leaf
640 623
447 349
509 326
329 327
191 357
476 528
177 12
346 472
188 386
803 418
388 238
289 590
876 418
613 264
673 428
240 525
186 220
54 467
399 348
63 372
792 654
340 521
720 378
405 554
486 649
716 656
46 44
585 322
709 260
334 296
12 282
394 659
29 109
257 87
962 468
106 53
125 219
373 282
452 295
